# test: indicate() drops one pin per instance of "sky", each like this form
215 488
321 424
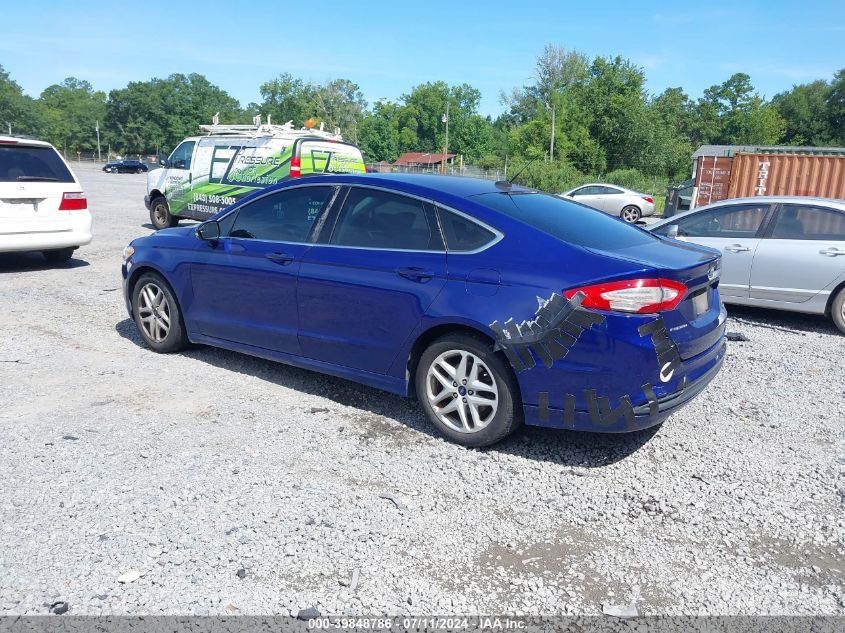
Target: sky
389 47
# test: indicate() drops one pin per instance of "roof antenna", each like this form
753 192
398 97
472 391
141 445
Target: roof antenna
511 180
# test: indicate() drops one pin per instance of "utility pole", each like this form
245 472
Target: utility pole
552 150
10 128
446 148
99 156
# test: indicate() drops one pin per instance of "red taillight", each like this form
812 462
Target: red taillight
4 142
73 201
295 167
641 296
648 199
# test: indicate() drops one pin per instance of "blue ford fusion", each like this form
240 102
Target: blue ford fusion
492 304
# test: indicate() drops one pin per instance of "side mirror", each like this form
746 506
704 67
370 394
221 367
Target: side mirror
672 231
162 160
209 231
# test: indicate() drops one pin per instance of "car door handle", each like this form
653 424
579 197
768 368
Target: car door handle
831 252
279 258
737 248
415 274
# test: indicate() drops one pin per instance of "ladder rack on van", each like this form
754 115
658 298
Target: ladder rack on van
259 129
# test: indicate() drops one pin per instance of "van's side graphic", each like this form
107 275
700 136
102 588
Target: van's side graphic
208 173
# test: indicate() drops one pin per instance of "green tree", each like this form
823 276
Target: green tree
804 111
836 107
72 111
17 110
156 115
379 132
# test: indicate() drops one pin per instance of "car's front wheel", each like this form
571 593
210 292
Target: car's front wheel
160 214
837 310
631 214
157 315
467 391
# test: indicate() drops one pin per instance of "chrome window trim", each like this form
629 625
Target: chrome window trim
437 205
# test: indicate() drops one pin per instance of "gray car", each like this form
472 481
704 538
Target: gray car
629 205
784 252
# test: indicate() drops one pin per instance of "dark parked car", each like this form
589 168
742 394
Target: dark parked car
493 304
125 167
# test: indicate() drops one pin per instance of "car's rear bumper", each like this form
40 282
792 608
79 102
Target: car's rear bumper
36 235
605 416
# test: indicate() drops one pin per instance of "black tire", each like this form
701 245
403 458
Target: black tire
508 414
837 310
59 255
175 339
634 213
160 214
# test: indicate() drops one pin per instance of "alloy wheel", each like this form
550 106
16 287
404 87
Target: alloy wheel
630 214
462 391
154 312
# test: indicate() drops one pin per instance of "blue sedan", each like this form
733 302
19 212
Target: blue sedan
492 304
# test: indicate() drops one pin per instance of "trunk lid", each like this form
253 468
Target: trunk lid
696 324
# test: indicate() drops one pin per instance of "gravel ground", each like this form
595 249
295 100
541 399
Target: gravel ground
209 482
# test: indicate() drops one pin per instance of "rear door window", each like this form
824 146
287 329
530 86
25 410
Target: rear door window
462 234
285 216
800 222
32 163
371 218
572 223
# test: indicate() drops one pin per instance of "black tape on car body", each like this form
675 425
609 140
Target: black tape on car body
668 356
556 327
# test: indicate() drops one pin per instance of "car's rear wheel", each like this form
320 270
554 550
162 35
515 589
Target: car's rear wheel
467 391
157 315
160 214
58 255
631 214
837 310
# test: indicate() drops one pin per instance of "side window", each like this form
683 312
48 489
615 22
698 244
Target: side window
461 234
798 222
585 191
728 222
608 191
181 156
285 216
379 219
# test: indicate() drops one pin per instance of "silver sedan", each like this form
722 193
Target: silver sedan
785 252
629 205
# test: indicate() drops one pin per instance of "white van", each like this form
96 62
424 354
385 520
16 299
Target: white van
42 205
205 174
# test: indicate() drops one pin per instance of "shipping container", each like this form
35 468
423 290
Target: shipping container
745 174
712 179
787 175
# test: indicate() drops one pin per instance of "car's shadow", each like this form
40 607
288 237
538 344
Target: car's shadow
766 318
23 262
569 448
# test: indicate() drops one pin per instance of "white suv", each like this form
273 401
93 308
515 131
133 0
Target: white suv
42 206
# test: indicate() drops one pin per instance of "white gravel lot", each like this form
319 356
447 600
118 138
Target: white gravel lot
235 485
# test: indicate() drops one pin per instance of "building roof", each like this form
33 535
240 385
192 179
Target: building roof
730 150
422 158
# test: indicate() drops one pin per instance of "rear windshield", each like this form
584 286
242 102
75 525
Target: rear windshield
323 157
19 163
565 220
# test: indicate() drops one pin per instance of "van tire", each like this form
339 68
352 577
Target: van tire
59 255
160 214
